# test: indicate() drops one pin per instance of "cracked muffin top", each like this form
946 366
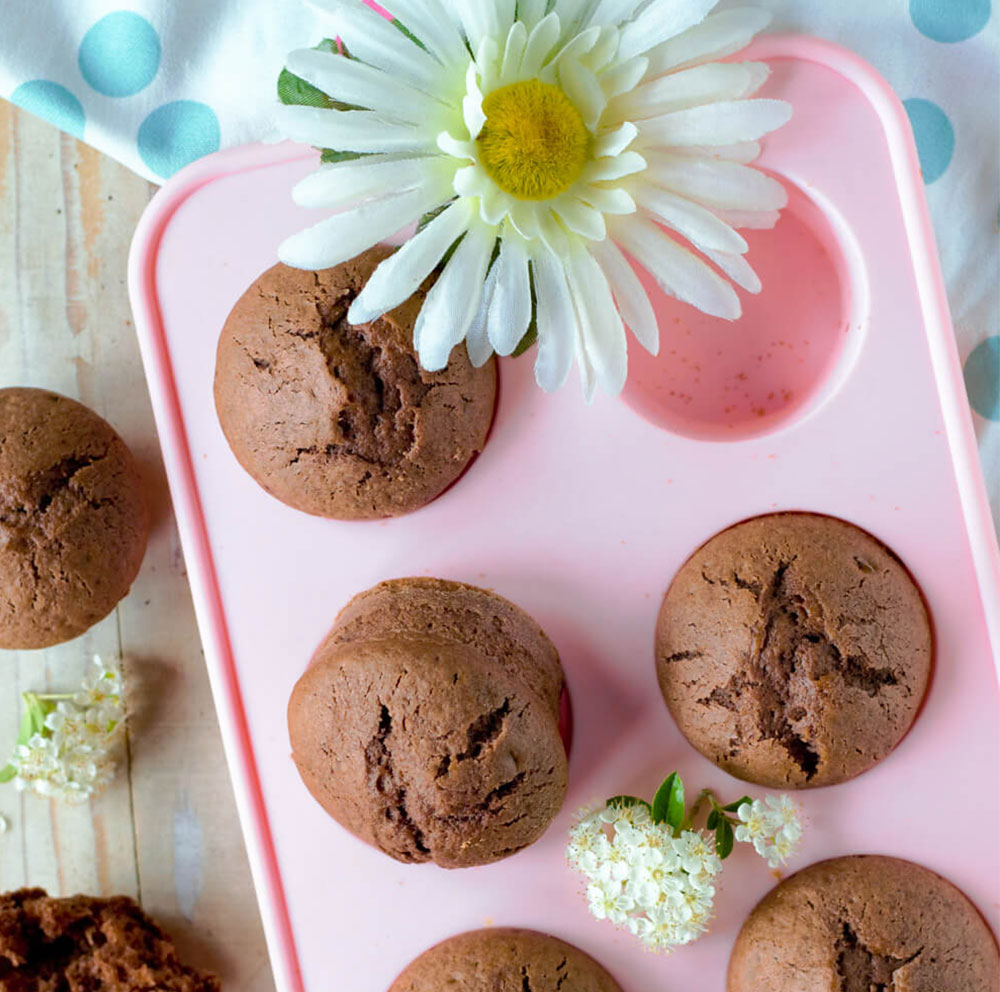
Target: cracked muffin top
84 943
861 923
793 650
427 724
338 419
501 959
73 519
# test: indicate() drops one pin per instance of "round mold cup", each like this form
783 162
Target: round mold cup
784 359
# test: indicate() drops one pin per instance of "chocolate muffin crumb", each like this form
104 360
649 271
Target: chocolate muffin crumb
84 944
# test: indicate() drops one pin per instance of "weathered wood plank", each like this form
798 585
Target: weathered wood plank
166 831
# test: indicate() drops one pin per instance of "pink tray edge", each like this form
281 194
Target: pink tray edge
190 519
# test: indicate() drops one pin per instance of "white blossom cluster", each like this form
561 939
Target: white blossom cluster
772 825
73 756
660 887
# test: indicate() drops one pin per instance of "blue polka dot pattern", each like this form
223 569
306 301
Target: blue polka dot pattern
982 378
950 20
53 102
177 134
935 137
120 54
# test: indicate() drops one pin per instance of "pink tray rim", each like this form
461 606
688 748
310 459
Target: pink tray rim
191 522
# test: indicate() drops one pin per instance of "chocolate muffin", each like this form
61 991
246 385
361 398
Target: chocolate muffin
861 923
82 943
427 724
340 420
793 650
73 519
505 960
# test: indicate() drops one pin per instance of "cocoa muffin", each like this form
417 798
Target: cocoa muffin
340 420
427 724
861 923
73 519
83 943
504 960
793 650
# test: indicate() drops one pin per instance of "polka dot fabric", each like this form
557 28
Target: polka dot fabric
158 85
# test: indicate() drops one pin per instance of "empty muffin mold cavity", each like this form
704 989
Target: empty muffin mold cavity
791 350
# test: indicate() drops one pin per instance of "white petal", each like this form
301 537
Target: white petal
488 62
494 203
608 169
541 41
616 141
455 147
510 313
339 238
717 123
581 218
696 223
718 36
551 231
471 181
615 11
517 38
347 182
738 269
717 183
530 12
607 199
633 303
601 326
579 45
573 14
472 104
557 329
351 130
602 54
400 275
429 22
583 90
353 82
693 87
454 299
751 220
744 152
371 38
524 215
679 272
624 77
660 21
477 342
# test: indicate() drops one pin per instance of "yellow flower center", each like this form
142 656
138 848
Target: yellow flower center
534 143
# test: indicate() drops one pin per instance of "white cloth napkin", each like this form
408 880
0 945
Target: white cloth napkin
158 84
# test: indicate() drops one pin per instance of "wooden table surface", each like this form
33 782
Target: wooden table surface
166 831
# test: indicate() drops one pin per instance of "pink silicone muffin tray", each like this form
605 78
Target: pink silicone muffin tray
839 393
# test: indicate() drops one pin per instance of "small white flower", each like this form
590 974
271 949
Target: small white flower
552 139
773 827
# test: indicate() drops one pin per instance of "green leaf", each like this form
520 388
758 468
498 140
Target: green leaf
724 838
528 340
329 155
733 807
532 334
7 774
627 801
295 91
397 23
713 819
428 217
36 710
668 803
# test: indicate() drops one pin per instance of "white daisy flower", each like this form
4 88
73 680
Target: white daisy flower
552 140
